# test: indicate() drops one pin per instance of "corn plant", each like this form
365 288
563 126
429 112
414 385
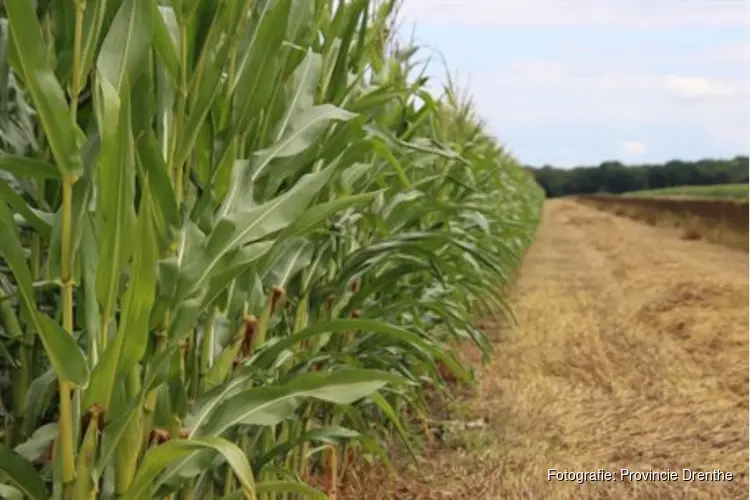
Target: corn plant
236 239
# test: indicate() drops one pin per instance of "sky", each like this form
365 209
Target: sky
578 82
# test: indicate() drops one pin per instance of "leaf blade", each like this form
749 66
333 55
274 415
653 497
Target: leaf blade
66 357
22 474
43 86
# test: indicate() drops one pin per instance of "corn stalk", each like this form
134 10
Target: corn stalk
235 239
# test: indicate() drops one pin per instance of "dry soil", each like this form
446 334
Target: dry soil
630 352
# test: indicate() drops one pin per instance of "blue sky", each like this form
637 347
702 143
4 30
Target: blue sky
577 82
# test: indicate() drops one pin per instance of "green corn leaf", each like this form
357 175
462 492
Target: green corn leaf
248 226
317 214
82 191
165 37
207 403
305 81
120 60
353 325
244 260
271 487
42 84
301 22
66 357
129 344
389 412
258 66
154 171
337 85
11 493
96 17
288 259
223 364
269 406
28 167
39 443
329 435
7 357
275 487
124 52
64 353
310 125
159 458
116 429
89 266
204 88
38 398
22 474
38 220
116 193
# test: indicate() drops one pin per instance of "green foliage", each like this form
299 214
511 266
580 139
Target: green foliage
615 178
229 232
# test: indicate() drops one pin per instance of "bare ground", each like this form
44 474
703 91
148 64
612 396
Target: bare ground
630 352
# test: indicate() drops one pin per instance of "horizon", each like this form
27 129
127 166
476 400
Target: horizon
645 164
629 81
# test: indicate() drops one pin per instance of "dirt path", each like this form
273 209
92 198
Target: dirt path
631 352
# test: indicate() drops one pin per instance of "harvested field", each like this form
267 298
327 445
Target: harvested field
630 352
720 221
712 191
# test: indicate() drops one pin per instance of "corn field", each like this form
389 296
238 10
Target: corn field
237 239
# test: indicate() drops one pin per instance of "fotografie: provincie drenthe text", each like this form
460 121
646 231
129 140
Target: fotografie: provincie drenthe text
628 475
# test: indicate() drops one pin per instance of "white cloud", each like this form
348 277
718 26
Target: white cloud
585 75
696 86
599 91
634 148
660 86
529 92
612 13
574 100
727 54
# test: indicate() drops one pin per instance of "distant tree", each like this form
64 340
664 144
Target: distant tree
614 177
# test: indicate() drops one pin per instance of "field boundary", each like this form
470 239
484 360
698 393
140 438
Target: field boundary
709 191
733 212
723 221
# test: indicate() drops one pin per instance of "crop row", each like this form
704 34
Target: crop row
236 238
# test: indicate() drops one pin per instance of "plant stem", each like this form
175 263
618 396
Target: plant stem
85 487
129 448
268 441
274 295
207 349
228 481
303 463
149 405
75 87
176 171
332 472
20 381
192 362
288 430
66 409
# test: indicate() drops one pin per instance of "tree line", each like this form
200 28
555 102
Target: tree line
613 177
